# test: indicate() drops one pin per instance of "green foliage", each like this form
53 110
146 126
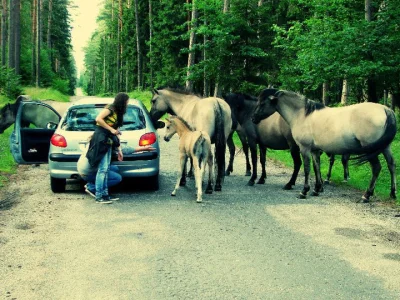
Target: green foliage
9 83
61 85
45 94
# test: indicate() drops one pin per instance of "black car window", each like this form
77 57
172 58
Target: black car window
83 118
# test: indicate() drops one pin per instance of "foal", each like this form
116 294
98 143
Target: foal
193 144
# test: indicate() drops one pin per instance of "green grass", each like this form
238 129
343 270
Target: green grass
45 94
144 96
7 164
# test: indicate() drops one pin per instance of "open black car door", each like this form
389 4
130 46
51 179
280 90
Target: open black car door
35 124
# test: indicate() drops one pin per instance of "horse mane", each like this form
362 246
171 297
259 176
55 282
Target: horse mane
311 106
178 90
183 121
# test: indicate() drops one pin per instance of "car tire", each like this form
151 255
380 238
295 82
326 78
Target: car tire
58 184
154 182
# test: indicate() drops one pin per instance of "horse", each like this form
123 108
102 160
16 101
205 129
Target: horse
193 144
36 114
364 129
272 132
211 115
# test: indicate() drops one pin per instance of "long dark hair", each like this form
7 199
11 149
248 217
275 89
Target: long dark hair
119 106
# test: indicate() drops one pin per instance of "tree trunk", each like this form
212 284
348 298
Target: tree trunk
206 82
38 40
17 28
345 92
119 46
11 35
151 43
4 32
218 89
49 18
139 50
325 93
33 57
192 41
371 82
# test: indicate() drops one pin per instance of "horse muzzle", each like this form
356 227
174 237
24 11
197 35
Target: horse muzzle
166 138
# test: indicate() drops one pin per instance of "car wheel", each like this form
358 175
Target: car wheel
58 184
153 182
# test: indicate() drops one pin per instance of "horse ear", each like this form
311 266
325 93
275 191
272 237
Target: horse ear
273 99
154 91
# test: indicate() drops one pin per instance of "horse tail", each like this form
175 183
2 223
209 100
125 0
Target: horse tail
373 150
220 140
199 148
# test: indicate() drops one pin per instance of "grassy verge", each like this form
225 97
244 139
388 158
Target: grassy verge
45 94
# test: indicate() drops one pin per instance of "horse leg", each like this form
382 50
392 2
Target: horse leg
331 162
253 152
387 153
182 165
209 189
190 173
245 145
306 162
231 147
376 169
198 172
345 163
295 153
263 161
183 175
319 187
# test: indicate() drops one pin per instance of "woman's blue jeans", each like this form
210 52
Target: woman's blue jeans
102 175
113 178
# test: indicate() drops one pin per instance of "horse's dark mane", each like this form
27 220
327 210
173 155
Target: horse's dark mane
311 106
184 122
178 90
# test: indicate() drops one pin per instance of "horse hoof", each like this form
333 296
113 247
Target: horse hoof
173 195
250 183
364 198
261 181
218 188
209 191
314 193
182 183
302 196
199 200
287 187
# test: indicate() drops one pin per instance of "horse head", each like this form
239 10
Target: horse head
266 104
159 106
170 128
7 117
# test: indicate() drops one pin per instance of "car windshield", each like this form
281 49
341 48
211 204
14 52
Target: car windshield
82 118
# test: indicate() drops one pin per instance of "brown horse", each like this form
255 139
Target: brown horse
211 115
193 144
364 129
272 132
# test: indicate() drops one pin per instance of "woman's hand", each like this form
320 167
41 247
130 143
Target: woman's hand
145 148
120 155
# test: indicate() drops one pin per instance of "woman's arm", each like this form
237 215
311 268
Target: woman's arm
100 120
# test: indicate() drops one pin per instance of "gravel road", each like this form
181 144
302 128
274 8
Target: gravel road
242 243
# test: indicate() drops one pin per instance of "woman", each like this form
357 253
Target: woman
105 136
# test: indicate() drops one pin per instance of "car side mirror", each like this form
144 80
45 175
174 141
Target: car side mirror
51 125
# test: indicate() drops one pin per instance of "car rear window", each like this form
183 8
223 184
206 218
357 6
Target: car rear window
82 118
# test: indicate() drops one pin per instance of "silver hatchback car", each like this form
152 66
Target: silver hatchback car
61 143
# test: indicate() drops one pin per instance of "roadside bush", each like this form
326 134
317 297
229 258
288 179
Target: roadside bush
61 85
9 83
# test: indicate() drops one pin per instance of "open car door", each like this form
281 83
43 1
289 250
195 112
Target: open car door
35 124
